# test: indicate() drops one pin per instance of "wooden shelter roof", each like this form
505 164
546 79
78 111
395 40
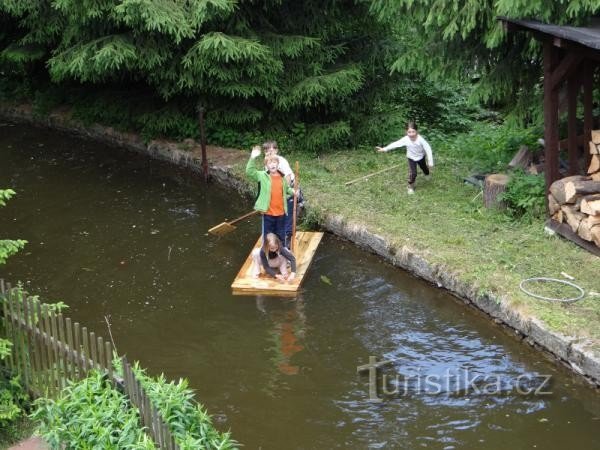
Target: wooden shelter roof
586 36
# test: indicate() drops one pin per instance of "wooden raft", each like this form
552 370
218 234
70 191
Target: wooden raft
306 246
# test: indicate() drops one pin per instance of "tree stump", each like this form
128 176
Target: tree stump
494 185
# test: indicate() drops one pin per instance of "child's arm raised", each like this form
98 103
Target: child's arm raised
251 169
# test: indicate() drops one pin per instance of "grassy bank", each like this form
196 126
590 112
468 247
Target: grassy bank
445 222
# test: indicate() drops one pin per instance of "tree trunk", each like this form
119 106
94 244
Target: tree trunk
494 185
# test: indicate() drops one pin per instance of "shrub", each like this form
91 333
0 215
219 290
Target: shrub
189 423
90 414
525 195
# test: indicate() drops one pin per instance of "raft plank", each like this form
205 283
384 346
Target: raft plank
306 246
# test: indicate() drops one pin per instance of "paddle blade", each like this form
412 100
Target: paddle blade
221 229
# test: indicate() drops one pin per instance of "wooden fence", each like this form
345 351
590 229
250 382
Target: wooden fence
50 349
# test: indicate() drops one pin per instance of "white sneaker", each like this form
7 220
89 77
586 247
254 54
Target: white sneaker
410 191
427 177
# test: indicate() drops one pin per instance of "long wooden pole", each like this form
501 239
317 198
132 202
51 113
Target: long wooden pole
371 174
295 207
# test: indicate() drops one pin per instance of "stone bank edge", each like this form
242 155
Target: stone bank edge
577 354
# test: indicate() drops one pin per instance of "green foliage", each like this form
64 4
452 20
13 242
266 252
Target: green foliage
443 39
8 247
14 403
525 195
189 423
488 147
255 65
90 414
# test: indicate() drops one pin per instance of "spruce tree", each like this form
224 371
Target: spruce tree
464 39
247 61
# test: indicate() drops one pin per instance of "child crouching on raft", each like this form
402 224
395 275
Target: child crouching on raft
273 258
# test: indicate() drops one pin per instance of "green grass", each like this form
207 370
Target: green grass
446 223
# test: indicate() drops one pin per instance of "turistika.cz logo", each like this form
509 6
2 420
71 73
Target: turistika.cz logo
384 385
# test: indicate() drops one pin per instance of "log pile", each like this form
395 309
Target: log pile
575 200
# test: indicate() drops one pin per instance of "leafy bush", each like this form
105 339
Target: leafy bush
14 404
488 147
525 195
189 423
90 414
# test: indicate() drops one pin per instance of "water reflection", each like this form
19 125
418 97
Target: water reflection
286 322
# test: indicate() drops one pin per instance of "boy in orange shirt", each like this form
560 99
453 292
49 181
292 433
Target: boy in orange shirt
273 190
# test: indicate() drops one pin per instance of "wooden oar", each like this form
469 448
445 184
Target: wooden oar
295 207
371 174
227 227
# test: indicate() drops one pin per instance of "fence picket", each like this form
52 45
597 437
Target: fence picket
13 338
108 354
7 324
44 379
78 350
49 353
86 351
70 356
31 332
101 359
94 350
57 369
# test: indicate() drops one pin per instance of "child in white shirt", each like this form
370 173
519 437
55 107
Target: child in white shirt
418 152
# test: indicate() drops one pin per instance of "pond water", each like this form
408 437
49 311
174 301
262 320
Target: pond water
112 233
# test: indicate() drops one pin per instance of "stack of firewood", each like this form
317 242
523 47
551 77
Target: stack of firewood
575 200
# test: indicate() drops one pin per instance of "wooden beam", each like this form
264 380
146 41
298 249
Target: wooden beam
550 115
588 119
572 92
566 67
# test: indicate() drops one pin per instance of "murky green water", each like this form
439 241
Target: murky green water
114 234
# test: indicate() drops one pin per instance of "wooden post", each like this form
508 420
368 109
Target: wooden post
588 78
203 142
572 92
550 114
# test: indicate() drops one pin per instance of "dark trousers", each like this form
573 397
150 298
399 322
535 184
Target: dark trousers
412 169
274 224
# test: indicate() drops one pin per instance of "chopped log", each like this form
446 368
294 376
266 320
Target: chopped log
573 189
558 216
590 205
596 136
522 158
585 229
593 220
553 205
595 176
573 216
557 189
594 148
594 164
494 185
596 235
